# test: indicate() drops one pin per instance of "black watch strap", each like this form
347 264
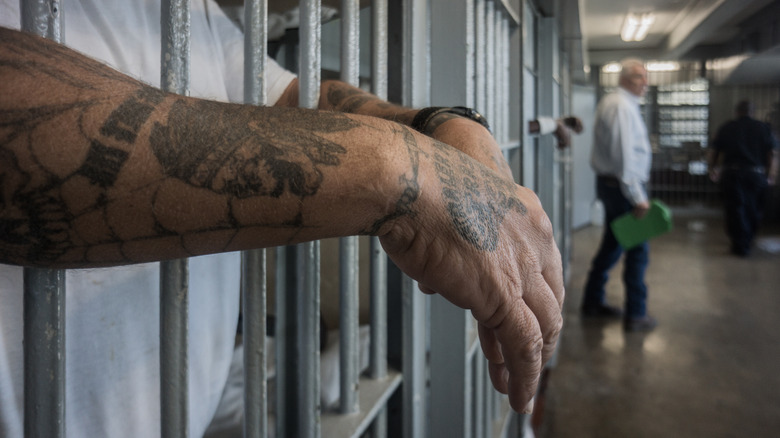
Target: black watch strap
425 115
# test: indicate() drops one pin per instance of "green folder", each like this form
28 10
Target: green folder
631 231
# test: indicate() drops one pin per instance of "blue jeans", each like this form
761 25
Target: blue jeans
637 258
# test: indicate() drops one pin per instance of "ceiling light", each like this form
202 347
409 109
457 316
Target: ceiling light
636 27
663 66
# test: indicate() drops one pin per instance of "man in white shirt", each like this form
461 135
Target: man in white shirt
248 177
621 157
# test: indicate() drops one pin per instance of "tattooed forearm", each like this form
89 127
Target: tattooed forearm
98 169
220 147
346 98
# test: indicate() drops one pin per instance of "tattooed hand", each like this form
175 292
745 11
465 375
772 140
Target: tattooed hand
485 244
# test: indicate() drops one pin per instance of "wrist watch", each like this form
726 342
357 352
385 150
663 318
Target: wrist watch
426 115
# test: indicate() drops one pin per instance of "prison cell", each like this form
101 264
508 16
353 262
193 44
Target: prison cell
426 376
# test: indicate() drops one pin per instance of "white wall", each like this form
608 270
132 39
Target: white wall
583 179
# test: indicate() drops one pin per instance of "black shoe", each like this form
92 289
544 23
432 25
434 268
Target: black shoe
639 324
602 311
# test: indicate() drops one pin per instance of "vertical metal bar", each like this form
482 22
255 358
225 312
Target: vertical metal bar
44 294
255 48
480 54
490 61
308 254
284 345
348 327
174 372
173 348
308 310
378 344
44 353
253 278
349 353
42 18
498 47
253 262
309 53
379 48
350 48
505 88
479 396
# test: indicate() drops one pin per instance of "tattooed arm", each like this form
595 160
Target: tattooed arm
463 134
97 169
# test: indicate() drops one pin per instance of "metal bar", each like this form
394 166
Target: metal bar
480 53
285 341
44 294
42 18
479 396
451 390
378 273
490 61
310 58
308 311
44 353
350 47
173 348
255 49
414 363
378 353
253 262
253 278
174 372
308 254
498 47
379 49
505 89
349 353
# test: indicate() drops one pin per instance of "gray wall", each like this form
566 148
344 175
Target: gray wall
583 104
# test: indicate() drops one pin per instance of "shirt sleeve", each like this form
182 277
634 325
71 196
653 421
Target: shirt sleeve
547 125
232 39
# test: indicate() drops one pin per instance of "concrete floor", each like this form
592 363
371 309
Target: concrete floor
710 369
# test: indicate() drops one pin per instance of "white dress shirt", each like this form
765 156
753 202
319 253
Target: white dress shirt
621 147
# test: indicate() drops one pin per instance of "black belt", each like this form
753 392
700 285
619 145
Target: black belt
609 180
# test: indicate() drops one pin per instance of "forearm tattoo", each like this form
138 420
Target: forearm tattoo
408 181
70 213
356 101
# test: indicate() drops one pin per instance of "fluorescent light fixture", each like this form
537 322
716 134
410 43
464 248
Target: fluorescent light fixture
612 67
663 66
636 27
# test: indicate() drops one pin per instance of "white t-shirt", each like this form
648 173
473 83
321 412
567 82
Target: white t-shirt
112 314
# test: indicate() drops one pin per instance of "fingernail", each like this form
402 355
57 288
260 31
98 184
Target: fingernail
529 408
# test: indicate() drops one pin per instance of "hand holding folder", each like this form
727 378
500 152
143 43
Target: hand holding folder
630 231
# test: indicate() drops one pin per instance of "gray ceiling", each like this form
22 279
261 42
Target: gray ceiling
695 30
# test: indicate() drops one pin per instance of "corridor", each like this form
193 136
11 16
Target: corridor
710 369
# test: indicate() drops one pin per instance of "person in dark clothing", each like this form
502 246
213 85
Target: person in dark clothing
746 151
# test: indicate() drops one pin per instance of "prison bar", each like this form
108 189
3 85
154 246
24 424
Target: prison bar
44 294
174 312
349 352
253 262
